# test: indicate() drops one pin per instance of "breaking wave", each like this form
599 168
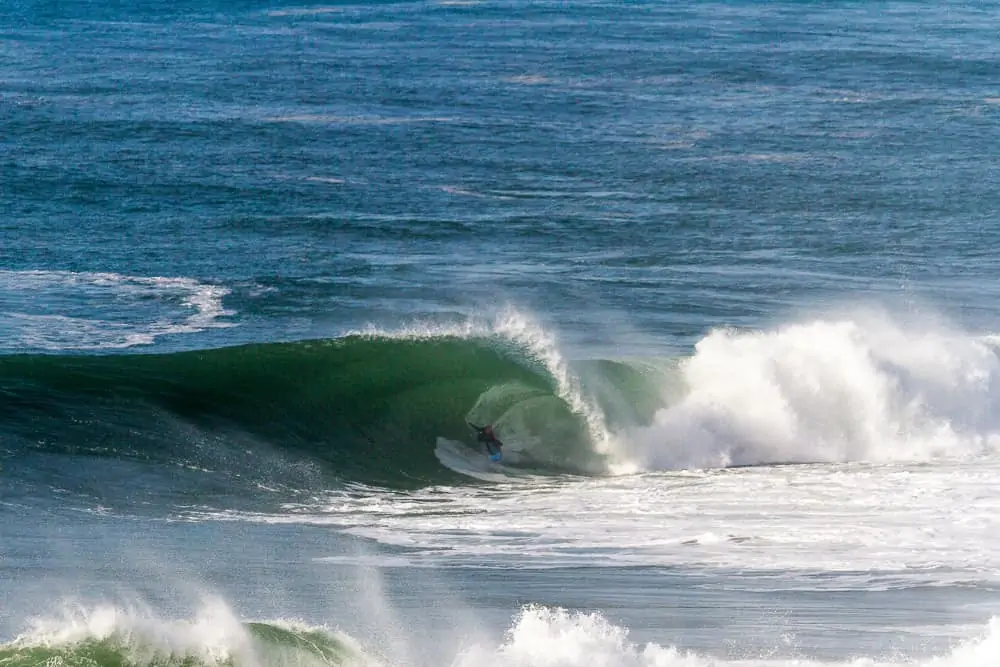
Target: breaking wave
538 636
391 407
370 405
860 388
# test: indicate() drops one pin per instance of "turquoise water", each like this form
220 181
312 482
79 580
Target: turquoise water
721 274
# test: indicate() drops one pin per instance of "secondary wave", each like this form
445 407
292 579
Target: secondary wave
108 635
103 310
538 636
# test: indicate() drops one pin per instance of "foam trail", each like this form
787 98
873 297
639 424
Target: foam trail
103 310
857 389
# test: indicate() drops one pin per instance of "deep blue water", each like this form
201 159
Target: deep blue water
680 166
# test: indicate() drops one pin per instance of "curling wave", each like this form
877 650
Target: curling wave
371 406
391 408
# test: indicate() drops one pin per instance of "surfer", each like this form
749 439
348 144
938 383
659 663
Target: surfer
485 435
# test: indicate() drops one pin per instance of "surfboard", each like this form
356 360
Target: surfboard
465 460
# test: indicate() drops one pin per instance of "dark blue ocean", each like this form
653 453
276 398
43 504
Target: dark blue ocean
723 275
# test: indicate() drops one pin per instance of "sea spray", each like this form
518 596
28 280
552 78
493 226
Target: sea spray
860 389
539 636
552 637
135 635
544 347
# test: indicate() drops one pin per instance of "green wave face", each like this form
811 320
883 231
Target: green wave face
370 408
267 646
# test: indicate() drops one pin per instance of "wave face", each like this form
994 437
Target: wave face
111 636
372 407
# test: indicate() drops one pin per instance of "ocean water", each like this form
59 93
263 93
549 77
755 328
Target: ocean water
722 274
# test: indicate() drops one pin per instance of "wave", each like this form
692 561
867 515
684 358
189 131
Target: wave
391 407
106 636
371 405
538 636
543 636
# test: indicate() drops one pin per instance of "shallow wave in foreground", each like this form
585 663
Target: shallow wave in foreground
538 636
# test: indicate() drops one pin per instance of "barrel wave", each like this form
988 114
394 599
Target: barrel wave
368 407
392 408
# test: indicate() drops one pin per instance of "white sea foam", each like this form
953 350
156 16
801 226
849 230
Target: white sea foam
359 120
874 525
869 398
544 637
538 636
865 388
62 310
308 11
215 634
326 179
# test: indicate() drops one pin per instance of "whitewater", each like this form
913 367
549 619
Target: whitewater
537 636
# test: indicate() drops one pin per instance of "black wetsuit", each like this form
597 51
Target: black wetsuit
492 444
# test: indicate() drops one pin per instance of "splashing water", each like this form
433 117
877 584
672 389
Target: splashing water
859 389
544 347
545 637
539 636
138 636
